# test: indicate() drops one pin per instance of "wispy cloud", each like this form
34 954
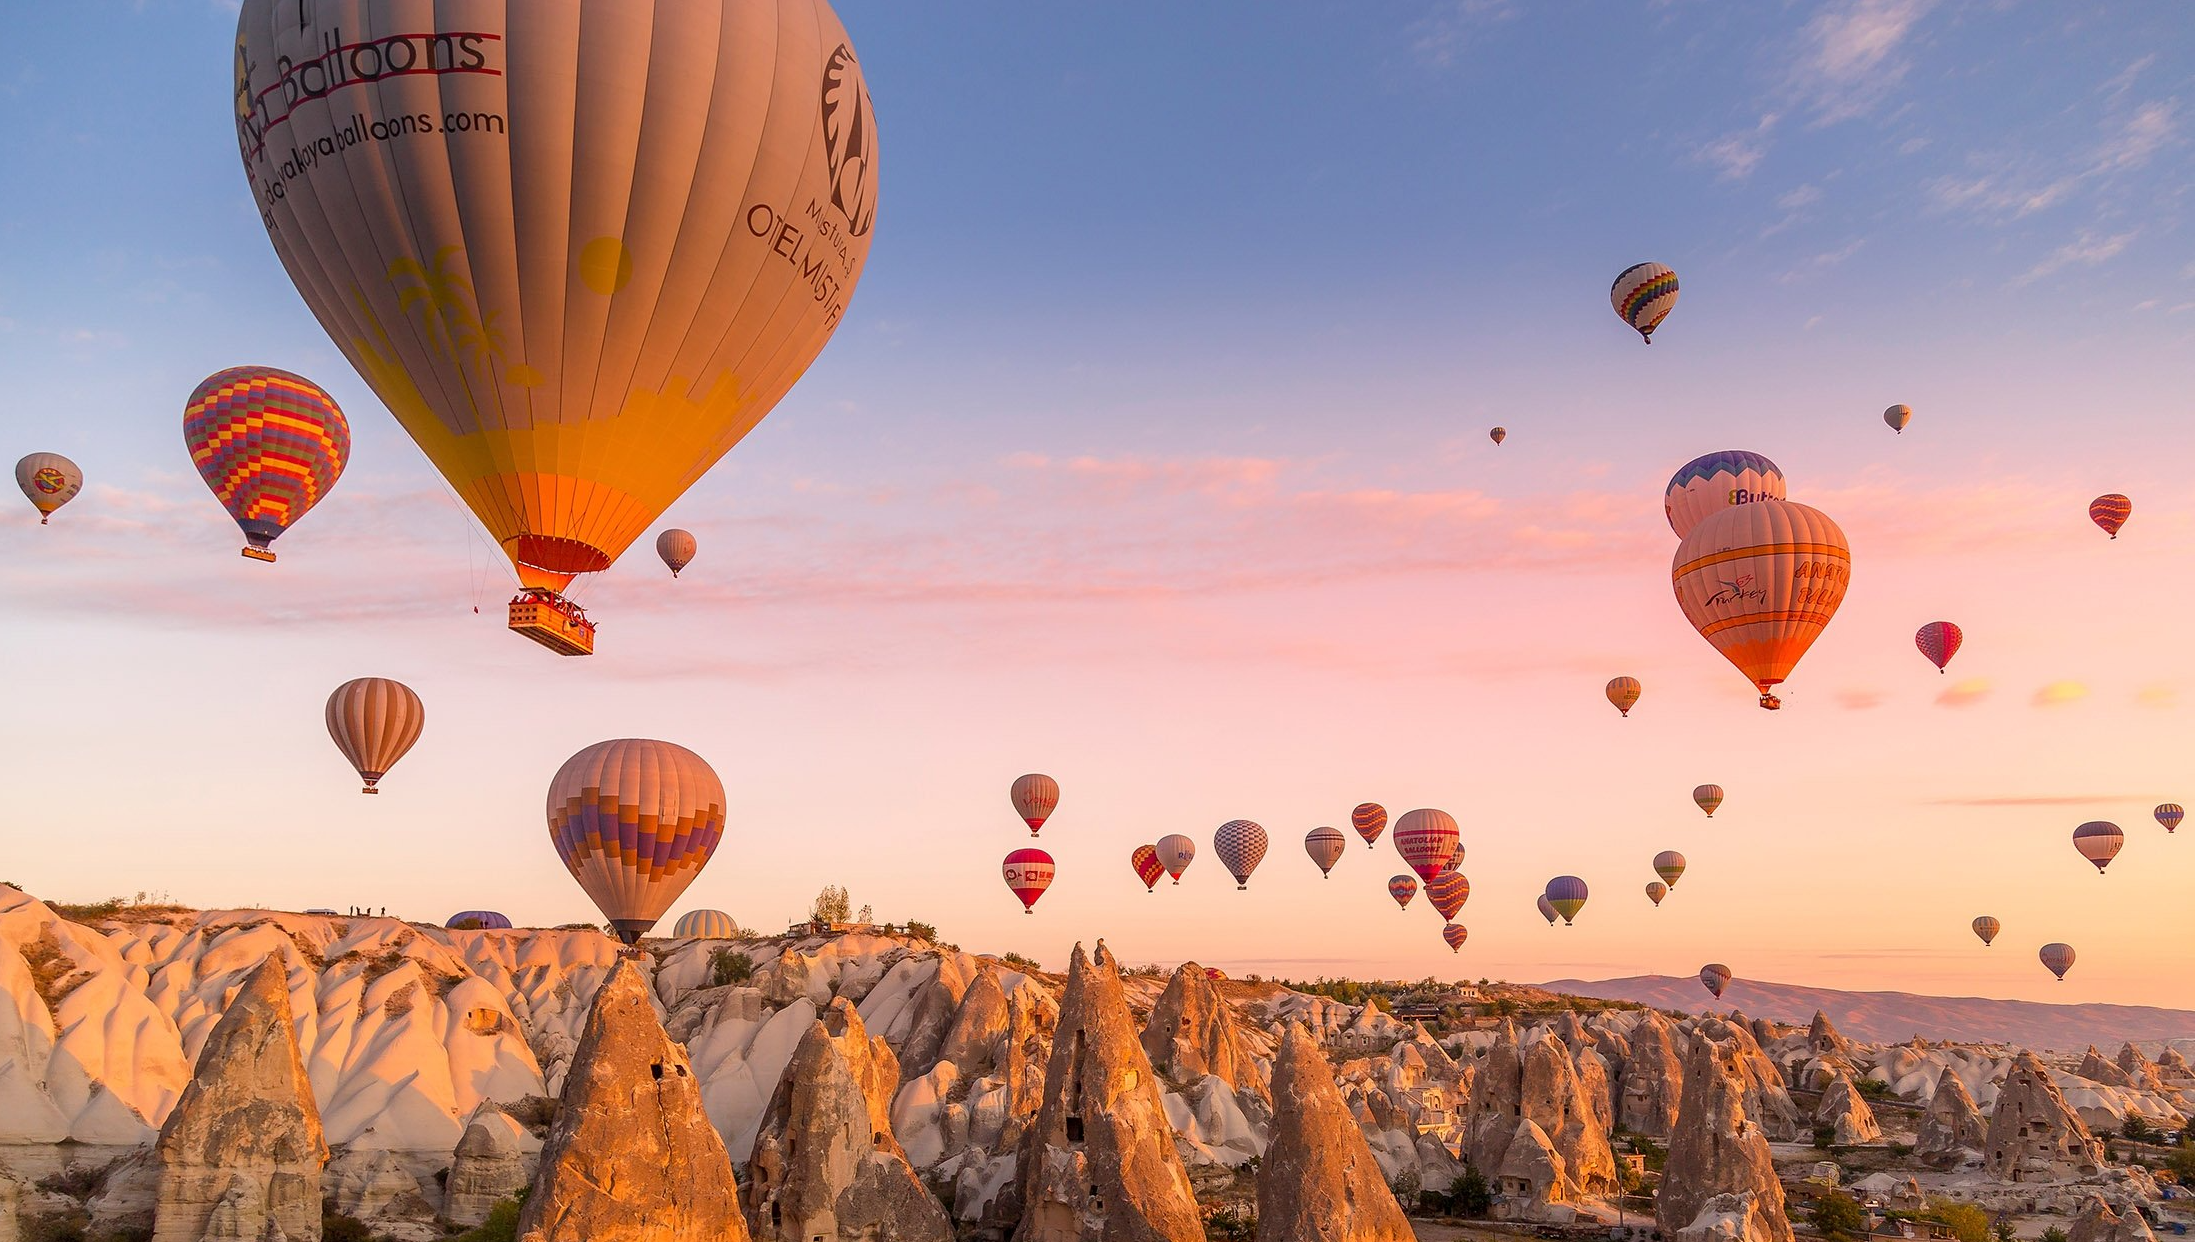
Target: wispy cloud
2087 250
2060 694
2006 186
1734 156
1965 693
1850 55
2035 800
1440 38
1814 265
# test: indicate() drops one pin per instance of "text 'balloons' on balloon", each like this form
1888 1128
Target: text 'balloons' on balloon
374 722
1712 482
1715 977
1707 797
1175 853
1623 693
1643 295
48 481
1402 888
2110 511
2099 841
2170 814
1455 935
1987 928
477 920
1939 641
1035 797
1325 846
1760 582
2057 957
1567 894
1370 820
1427 839
676 547
1547 910
646 231
269 445
1028 872
1448 891
1144 858
1498 434
1656 890
635 820
705 925
1240 845
1897 417
1669 865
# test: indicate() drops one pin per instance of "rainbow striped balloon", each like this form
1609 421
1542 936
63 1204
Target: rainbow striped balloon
635 821
1643 295
270 444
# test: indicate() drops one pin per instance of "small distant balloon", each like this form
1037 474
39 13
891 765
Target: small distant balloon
1148 868
1715 976
705 925
1623 692
1325 846
1448 892
2110 511
1035 797
374 722
1939 641
1455 935
1175 853
1028 872
478 920
2099 841
677 548
1427 839
1708 797
1402 888
1547 910
1498 434
1987 928
2058 958
1643 295
49 481
1898 416
1567 894
1669 865
1656 890
1240 845
1370 820
2170 814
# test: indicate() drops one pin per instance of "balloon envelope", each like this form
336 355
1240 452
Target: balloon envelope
1987 928
1708 797
1643 295
1175 853
2110 512
1623 692
1898 416
2099 841
677 548
1455 935
1240 845
1716 977
1656 890
1567 894
1547 910
1402 888
1448 891
478 920
1325 846
1715 481
1760 582
1939 641
49 481
1427 839
705 925
1035 797
1028 872
2170 814
2058 957
1498 434
1370 820
1144 858
578 249
635 821
1669 865
269 444
374 721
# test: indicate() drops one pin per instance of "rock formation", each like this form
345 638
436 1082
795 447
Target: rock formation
632 1156
1538 1084
1319 1181
1719 1180
1652 1080
10 1193
1193 1033
1767 1104
2034 1135
1845 1111
372 1182
2173 1067
2098 1223
241 1155
2094 1068
489 1165
1952 1126
2140 1069
825 1163
1532 1178
1822 1038
1099 1162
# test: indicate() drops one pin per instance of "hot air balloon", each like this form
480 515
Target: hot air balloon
374 721
49 480
1144 858
1448 891
270 444
1656 890
1547 910
1426 839
1240 845
2099 841
1669 865
1370 820
616 236
1402 888
1455 935
705 925
1028 872
1987 928
1035 797
1643 295
1175 853
2110 512
1325 846
1716 977
2170 814
1567 894
1708 797
478 920
2058 957
677 548
1939 641
1624 693
1759 582
1898 416
635 821
1715 481
1498 434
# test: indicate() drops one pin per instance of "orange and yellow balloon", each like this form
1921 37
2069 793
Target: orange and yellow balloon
1623 694
1760 582
635 821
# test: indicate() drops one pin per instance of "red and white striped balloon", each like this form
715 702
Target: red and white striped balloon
1427 839
1028 873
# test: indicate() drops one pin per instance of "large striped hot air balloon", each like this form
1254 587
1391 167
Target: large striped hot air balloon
705 925
2170 814
1715 977
1370 820
1175 853
1656 890
1643 295
1426 839
1144 858
1448 891
1547 910
1939 641
1987 928
677 548
1669 865
1707 797
1623 693
1566 893
1028 872
1402 888
635 821
1035 797
478 920
1759 582
1325 846
2058 958
1240 845
1455 935
270 444
1898 416
2099 841
579 249
1715 481
2110 511
49 481
374 721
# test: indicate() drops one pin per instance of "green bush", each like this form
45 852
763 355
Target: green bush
1969 1222
729 966
1873 1088
1229 1223
1824 1136
501 1225
2180 1162
2054 1234
2138 1130
1837 1216
336 1227
921 930
1018 962
1469 1195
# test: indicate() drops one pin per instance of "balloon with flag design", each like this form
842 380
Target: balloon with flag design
48 481
635 820
269 445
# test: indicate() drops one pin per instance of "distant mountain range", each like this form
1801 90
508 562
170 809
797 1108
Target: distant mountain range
1891 1017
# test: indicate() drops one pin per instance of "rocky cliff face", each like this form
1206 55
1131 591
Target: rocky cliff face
1952 1127
1847 1114
492 1161
1193 1034
1653 1079
2034 1135
1719 1180
1319 1181
2098 1223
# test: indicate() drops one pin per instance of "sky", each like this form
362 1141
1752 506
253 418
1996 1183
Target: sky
1152 454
